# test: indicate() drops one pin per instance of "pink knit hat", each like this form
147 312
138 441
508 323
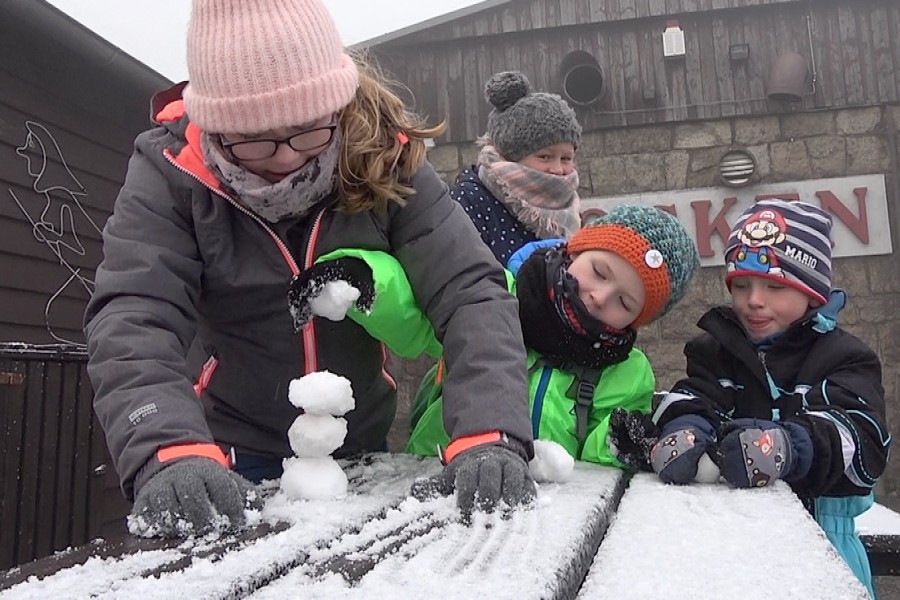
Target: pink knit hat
256 65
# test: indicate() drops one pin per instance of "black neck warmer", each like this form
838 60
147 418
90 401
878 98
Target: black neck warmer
554 320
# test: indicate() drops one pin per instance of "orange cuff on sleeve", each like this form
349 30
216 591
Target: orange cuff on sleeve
469 441
204 449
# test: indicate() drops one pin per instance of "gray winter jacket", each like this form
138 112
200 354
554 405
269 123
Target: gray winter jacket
190 339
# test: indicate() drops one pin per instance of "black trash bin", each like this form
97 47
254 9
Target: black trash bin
57 485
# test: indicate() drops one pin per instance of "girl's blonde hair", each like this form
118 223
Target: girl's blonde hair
383 143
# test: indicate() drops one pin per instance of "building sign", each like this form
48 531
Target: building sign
858 206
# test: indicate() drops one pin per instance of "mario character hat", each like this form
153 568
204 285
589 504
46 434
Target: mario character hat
787 241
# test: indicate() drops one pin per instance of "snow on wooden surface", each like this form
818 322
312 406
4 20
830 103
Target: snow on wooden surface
375 543
692 542
711 541
878 520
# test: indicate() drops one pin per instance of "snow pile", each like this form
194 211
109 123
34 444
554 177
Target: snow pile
551 462
707 470
335 299
878 520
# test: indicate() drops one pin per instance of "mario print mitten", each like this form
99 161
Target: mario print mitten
756 452
682 443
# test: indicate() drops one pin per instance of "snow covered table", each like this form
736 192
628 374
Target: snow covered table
711 541
374 543
879 528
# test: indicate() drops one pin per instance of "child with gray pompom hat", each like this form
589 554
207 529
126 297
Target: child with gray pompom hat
524 186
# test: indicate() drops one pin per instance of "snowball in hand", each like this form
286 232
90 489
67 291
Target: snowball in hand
313 479
334 301
322 393
316 435
551 462
707 471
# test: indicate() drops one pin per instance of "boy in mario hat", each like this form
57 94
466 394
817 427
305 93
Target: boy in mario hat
774 388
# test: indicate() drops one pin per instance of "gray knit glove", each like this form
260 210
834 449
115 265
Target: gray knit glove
192 496
483 477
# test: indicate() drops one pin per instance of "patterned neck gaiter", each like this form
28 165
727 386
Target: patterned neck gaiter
293 196
554 320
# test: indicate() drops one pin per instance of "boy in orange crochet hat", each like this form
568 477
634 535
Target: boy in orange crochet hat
580 304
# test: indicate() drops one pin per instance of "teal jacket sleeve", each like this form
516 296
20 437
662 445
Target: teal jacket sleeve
395 318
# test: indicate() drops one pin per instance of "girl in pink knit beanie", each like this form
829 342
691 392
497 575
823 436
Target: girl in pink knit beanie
282 149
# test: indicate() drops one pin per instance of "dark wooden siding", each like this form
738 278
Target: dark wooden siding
54 465
855 50
527 15
70 107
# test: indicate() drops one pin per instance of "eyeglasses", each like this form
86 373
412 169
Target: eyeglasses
304 141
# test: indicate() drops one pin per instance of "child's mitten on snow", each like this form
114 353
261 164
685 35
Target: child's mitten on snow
682 443
632 435
318 290
756 452
483 476
192 496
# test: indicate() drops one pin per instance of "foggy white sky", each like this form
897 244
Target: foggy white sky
153 32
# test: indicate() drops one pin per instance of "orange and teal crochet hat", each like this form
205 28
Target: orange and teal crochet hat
655 244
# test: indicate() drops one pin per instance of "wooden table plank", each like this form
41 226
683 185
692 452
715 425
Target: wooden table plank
884 554
711 541
376 542
421 550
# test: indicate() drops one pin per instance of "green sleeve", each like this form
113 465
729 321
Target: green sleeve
395 318
629 384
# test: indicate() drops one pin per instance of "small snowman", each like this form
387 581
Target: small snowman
313 474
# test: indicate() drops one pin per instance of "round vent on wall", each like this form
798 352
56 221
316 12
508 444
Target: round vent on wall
736 168
583 82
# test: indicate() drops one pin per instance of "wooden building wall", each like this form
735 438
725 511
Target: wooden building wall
855 50
70 107
517 16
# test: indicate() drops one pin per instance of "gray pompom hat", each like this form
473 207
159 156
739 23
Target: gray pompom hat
522 122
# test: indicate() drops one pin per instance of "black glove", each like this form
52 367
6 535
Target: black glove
309 283
193 496
756 452
682 442
483 477
632 435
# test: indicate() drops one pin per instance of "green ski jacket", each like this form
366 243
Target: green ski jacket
559 394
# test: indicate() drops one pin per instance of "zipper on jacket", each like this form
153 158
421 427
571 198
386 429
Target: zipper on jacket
206 373
310 357
384 372
310 352
538 405
774 390
309 333
285 252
